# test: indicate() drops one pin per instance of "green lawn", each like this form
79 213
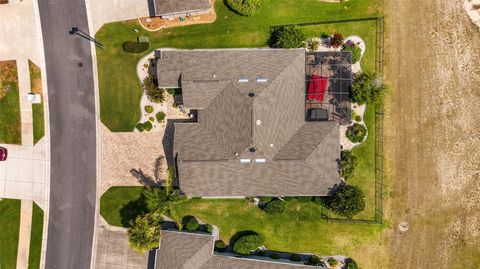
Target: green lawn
37 109
36 238
9 232
120 89
10 120
299 229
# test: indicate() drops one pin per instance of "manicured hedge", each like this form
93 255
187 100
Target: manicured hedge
247 243
244 7
192 225
220 246
135 47
275 207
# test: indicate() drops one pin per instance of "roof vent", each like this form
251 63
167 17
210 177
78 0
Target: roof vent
244 160
243 80
271 145
214 75
258 122
251 94
262 80
252 150
260 160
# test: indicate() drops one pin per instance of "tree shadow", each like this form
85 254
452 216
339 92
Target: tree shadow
132 209
143 178
240 234
158 168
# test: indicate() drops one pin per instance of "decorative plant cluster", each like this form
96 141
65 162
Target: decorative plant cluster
154 94
355 49
312 44
287 37
135 47
348 162
244 7
356 133
247 243
336 40
367 88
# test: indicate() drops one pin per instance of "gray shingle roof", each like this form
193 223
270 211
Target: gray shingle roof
165 7
180 250
301 158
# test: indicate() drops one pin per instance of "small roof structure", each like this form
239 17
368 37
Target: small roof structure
171 7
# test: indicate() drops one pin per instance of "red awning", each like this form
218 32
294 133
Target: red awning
317 88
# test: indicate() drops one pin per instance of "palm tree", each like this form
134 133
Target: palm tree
144 232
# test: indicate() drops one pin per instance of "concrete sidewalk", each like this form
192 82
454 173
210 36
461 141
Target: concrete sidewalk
24 234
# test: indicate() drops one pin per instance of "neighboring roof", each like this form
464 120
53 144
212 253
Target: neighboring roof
165 7
300 158
180 250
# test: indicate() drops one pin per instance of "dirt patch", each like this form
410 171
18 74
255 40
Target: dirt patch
432 133
35 78
8 76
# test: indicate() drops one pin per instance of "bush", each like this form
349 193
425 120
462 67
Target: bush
192 225
247 243
336 40
350 264
244 7
275 256
348 162
314 260
358 118
265 199
149 109
151 119
295 258
367 88
355 49
154 94
160 117
356 133
208 228
220 246
135 47
275 207
146 126
346 200
287 37
313 45
332 262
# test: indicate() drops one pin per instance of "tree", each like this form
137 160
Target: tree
244 7
247 243
287 37
346 200
348 162
367 88
154 94
275 207
144 232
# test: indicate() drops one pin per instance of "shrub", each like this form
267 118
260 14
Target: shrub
314 260
265 199
146 126
244 7
220 246
247 243
275 207
350 264
139 127
332 262
208 228
160 116
358 118
295 258
192 225
346 200
313 45
324 35
275 256
151 119
154 94
336 40
356 133
135 47
367 88
354 49
287 37
348 162
149 109
144 232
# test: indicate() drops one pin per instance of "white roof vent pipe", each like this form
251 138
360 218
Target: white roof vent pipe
262 80
260 160
243 80
245 160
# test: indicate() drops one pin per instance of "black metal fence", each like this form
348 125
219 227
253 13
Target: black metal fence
379 172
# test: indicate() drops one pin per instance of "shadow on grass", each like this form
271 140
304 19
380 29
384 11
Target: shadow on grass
132 209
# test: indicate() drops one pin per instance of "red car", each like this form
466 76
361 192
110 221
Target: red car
3 154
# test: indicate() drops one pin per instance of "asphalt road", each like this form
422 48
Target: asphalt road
73 137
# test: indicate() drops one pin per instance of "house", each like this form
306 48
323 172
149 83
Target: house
251 136
170 9
181 250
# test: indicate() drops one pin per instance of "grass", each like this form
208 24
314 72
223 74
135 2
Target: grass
37 109
10 227
120 89
298 229
36 238
10 120
119 205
